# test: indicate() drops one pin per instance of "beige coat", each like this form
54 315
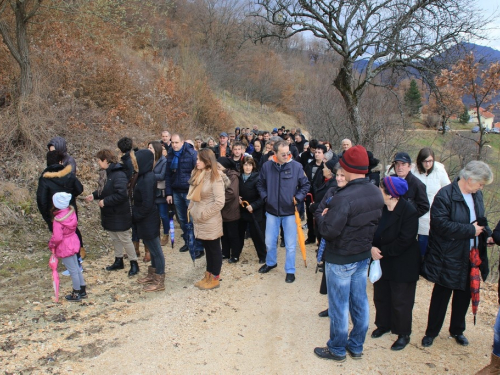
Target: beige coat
206 214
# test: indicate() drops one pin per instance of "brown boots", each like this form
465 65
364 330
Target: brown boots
149 277
164 240
493 368
202 281
209 282
156 285
136 247
147 255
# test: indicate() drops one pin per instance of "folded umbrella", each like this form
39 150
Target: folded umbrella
475 279
300 234
55 276
190 237
171 224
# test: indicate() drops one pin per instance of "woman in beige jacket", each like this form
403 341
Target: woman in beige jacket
206 195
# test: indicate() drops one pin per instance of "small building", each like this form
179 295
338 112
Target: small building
487 117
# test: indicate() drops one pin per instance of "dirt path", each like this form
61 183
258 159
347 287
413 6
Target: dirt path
253 324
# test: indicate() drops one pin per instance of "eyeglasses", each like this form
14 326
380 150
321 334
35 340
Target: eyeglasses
428 161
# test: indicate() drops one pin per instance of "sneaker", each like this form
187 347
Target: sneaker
326 354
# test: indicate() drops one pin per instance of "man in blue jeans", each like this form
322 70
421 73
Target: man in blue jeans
280 181
348 225
181 160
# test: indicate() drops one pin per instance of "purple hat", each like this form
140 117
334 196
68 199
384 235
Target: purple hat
396 186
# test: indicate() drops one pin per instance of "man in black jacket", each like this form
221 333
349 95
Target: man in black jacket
348 227
416 194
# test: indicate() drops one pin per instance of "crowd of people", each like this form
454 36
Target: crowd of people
250 183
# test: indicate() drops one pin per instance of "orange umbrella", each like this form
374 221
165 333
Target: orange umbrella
300 233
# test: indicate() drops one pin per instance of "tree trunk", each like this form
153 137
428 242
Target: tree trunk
26 85
480 144
344 83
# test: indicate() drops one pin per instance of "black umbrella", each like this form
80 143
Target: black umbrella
244 204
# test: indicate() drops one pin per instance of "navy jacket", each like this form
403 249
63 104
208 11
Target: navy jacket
178 179
160 171
115 215
446 261
279 184
351 221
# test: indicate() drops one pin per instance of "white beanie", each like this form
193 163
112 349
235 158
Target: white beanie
61 200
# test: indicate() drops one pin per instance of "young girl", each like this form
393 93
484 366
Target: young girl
65 244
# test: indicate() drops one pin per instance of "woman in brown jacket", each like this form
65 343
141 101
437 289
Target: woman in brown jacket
231 247
206 195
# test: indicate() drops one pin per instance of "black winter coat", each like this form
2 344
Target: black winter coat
129 163
322 191
249 193
446 261
115 215
56 178
318 176
397 241
417 194
496 238
144 211
350 223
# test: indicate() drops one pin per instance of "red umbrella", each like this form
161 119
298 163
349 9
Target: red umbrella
55 276
475 280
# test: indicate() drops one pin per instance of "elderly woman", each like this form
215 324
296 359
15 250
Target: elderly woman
115 209
434 176
457 225
395 244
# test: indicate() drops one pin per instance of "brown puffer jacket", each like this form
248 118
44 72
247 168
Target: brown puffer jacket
231 210
206 214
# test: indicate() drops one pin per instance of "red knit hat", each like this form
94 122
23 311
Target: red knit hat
355 160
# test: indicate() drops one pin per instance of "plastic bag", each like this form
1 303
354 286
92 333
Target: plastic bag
375 271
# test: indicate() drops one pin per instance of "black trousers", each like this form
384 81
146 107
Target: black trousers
231 247
439 304
311 233
394 305
213 254
257 237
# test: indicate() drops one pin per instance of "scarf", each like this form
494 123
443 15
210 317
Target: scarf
245 177
103 176
175 159
194 193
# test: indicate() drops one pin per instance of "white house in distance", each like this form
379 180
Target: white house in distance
486 117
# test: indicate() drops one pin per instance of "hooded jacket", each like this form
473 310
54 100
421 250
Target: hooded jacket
115 215
144 211
56 178
178 180
60 145
129 164
64 241
446 261
279 184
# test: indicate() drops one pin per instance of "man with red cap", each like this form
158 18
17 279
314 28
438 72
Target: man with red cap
348 225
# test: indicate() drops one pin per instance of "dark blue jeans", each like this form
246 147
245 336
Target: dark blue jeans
423 240
163 209
181 204
496 341
157 258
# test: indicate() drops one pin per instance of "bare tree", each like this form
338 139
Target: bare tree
17 40
387 34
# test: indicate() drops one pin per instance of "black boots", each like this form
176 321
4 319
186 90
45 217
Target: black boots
83 292
134 268
74 296
117 265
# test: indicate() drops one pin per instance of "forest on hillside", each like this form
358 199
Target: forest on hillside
92 70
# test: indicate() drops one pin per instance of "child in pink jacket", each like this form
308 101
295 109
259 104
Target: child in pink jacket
65 244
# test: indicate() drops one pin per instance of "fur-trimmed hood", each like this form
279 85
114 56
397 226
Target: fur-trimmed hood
57 171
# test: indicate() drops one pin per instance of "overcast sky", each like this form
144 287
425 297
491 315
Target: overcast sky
490 7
